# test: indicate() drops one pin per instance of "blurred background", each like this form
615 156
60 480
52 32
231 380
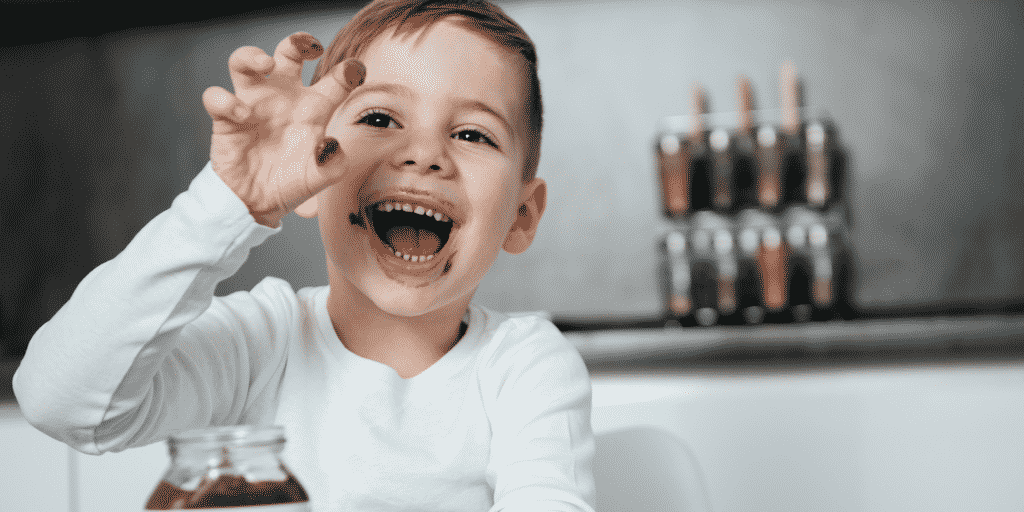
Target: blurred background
103 126
914 404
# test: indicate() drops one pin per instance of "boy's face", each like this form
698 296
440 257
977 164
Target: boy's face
439 124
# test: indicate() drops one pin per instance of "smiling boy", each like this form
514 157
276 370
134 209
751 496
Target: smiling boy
416 149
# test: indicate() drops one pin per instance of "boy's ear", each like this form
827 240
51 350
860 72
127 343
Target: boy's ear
308 209
531 207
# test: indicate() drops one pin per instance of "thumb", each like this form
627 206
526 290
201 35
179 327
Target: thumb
329 168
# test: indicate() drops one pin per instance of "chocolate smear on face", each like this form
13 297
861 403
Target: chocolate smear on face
356 220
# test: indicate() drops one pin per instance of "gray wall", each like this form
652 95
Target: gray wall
926 95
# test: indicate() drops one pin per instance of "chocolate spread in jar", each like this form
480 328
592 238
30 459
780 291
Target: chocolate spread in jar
226 491
229 468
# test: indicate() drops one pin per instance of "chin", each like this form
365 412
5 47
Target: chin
402 306
397 299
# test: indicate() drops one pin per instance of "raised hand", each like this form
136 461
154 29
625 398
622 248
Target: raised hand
268 140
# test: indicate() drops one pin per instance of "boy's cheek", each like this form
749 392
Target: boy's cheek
364 151
361 157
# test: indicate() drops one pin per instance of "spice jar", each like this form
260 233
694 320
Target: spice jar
675 276
229 468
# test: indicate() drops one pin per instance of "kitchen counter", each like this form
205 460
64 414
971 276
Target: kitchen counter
854 342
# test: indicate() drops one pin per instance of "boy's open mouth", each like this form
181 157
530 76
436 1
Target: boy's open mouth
413 232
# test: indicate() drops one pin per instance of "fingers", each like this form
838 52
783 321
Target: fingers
293 50
330 168
249 66
225 108
336 85
344 77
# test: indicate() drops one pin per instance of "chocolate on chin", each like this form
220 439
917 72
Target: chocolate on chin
226 491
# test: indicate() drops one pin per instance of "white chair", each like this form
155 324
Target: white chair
645 469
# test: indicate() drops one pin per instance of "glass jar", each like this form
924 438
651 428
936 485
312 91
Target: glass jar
675 276
228 468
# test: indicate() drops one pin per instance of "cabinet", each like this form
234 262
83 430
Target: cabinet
41 474
119 482
914 438
34 475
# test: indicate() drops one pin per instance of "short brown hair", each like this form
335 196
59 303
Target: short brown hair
411 15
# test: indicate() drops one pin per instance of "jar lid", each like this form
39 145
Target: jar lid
231 435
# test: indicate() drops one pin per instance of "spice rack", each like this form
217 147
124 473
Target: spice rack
756 206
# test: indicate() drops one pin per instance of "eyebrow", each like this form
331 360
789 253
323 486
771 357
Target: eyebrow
407 92
396 89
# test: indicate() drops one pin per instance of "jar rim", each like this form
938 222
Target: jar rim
230 434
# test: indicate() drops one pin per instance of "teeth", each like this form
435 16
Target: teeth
419 210
414 259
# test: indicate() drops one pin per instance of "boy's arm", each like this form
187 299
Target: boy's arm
129 358
116 365
542 445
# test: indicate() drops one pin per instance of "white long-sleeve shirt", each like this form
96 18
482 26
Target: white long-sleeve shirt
143 348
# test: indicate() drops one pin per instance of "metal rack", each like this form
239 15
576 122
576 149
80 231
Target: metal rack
758 228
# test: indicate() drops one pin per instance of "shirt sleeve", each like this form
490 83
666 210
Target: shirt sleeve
143 348
542 445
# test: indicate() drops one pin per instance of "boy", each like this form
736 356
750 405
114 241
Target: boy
396 392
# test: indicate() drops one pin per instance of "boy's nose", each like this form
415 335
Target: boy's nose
432 167
420 166
423 152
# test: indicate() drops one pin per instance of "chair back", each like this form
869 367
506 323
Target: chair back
646 469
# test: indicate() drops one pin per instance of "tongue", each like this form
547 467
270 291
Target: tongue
409 240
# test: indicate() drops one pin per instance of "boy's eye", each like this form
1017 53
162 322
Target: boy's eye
378 120
473 136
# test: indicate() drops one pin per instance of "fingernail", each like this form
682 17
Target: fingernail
307 43
330 146
354 72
